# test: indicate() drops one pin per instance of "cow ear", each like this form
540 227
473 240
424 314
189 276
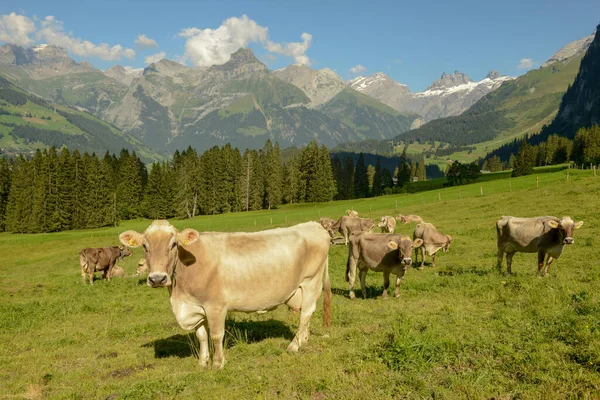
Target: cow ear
578 225
417 243
187 236
553 224
450 238
131 238
392 245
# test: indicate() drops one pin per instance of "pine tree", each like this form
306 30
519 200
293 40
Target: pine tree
79 196
347 185
65 184
273 175
386 179
309 169
361 180
187 176
18 207
403 170
336 166
5 181
325 185
291 180
377 179
232 169
129 185
38 220
525 160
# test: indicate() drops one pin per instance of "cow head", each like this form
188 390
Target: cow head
161 242
446 247
405 247
566 227
382 222
124 252
142 267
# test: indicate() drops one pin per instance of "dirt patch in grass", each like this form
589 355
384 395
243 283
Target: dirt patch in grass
124 372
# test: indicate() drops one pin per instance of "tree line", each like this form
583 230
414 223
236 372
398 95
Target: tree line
56 190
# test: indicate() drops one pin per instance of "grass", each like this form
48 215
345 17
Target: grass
459 330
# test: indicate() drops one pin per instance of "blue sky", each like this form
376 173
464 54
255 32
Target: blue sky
413 42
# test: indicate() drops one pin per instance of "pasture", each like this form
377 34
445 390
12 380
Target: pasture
459 330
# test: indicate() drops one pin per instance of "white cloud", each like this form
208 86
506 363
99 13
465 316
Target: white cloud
525 63
52 32
154 58
358 69
296 50
206 47
16 29
144 42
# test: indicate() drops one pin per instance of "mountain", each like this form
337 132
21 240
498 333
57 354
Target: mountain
28 122
577 47
170 106
450 95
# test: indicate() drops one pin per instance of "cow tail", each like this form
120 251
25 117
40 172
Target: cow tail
83 261
327 297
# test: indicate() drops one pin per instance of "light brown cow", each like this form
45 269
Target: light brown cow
103 259
326 222
346 225
387 224
406 219
142 266
352 213
211 273
433 240
117 272
543 235
387 253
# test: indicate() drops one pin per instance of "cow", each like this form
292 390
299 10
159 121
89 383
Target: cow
326 222
103 259
387 224
406 219
346 225
352 213
380 252
211 273
433 240
117 272
543 235
142 266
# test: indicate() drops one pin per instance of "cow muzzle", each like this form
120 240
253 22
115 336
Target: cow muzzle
407 261
568 240
158 279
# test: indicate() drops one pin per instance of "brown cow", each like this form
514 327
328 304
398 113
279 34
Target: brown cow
352 213
543 235
326 222
142 266
433 240
406 219
117 272
103 259
380 252
387 224
346 225
211 273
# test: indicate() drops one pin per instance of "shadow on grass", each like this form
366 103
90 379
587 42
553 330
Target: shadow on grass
373 291
186 345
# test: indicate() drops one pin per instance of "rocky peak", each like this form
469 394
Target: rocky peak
572 49
51 53
164 67
11 54
493 74
450 80
241 62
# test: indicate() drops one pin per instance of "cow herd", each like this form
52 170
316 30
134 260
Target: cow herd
210 273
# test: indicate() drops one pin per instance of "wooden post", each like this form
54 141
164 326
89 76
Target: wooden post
397 200
594 170
370 209
459 194
481 189
567 175
439 196
422 200
509 186
271 220
537 182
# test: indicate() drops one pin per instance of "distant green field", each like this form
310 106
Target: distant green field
459 330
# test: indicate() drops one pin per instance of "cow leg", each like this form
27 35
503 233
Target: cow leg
548 262
363 282
541 256
422 257
433 260
416 260
351 275
500 257
398 283
216 326
202 335
509 257
386 284
309 305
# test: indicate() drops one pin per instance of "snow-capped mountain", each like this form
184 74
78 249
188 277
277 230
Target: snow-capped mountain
450 95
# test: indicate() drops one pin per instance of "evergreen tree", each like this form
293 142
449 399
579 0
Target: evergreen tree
129 185
421 170
257 186
273 174
19 205
378 178
100 201
39 215
494 164
160 192
325 185
5 178
347 178
309 169
386 179
79 195
231 167
525 160
361 180
65 183
336 166
291 180
187 177
403 170
211 177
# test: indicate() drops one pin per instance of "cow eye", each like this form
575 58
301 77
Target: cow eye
144 246
173 244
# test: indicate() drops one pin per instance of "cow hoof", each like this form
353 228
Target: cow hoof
420 268
293 347
352 296
218 365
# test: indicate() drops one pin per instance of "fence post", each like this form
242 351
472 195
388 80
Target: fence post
439 196
509 186
396 201
271 220
481 190
459 194
422 200
594 170
567 175
537 182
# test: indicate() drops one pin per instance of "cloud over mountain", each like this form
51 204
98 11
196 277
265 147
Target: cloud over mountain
16 29
154 58
144 42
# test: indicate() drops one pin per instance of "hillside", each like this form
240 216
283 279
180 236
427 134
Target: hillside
28 122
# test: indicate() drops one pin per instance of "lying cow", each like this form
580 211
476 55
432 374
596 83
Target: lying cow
433 240
117 272
542 235
103 259
211 273
387 253
406 219
387 224
346 225
142 266
352 213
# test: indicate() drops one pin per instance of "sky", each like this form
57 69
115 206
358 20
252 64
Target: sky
413 42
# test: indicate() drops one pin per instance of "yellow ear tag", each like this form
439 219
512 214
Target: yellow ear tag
185 242
131 242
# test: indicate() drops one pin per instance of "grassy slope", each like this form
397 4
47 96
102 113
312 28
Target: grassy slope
459 330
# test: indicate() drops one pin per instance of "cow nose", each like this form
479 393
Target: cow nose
569 240
157 279
407 261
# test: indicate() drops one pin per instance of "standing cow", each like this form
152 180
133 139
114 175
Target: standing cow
543 235
387 224
433 240
211 273
346 225
103 259
387 253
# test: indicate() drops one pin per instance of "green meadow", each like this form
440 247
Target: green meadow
460 330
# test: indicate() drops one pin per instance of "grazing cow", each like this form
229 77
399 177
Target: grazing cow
211 273
352 213
346 225
117 272
406 219
387 253
387 224
433 240
142 266
542 235
326 222
103 259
